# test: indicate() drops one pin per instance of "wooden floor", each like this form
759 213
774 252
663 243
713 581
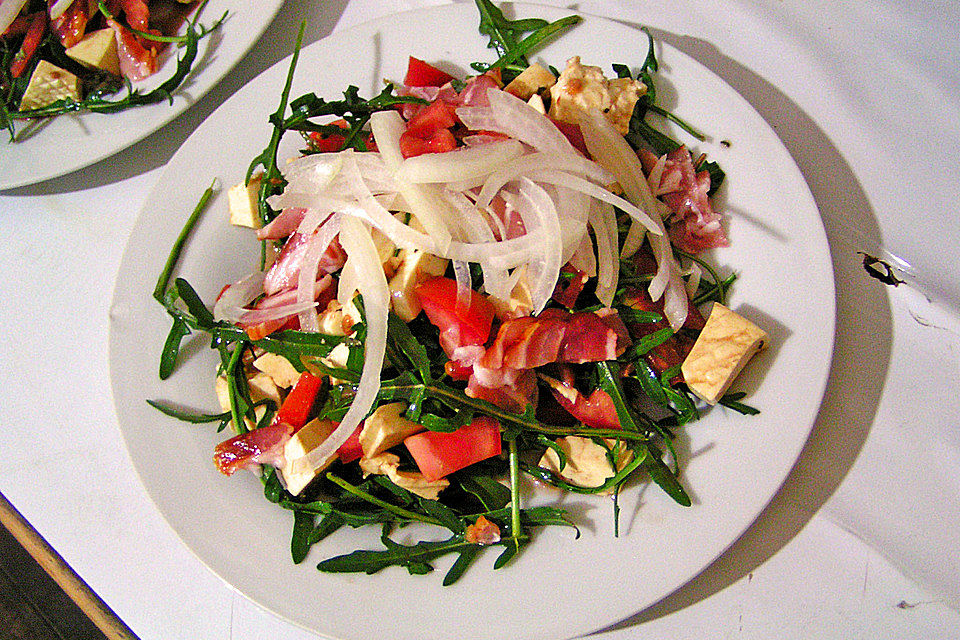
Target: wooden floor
41 596
32 605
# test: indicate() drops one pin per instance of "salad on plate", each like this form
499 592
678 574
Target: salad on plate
63 56
464 282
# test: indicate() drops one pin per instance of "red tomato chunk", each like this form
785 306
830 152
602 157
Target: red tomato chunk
423 74
460 325
440 454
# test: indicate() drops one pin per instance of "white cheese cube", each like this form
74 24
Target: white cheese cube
581 88
97 50
242 203
587 463
724 347
388 464
284 374
386 428
297 474
536 102
48 84
531 80
415 267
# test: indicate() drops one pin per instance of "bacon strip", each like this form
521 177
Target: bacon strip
694 225
260 446
285 271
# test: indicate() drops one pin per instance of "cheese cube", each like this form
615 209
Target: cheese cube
531 81
297 474
581 88
242 202
386 428
97 50
48 84
388 464
587 463
284 374
724 347
415 267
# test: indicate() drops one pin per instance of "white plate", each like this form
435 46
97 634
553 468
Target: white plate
74 141
559 586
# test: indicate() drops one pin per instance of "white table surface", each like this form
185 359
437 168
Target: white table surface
862 540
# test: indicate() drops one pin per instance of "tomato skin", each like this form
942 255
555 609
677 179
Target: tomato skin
465 324
429 131
351 449
423 74
298 405
439 454
38 27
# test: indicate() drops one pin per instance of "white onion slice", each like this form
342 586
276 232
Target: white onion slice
541 161
612 152
604 223
356 241
560 178
585 258
512 116
543 231
10 9
387 127
462 164
230 303
256 316
316 246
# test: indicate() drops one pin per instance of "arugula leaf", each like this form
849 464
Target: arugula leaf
507 37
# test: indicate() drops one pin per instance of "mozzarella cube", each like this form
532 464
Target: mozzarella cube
531 81
724 347
297 473
284 374
587 463
242 202
536 102
581 88
48 84
388 464
415 267
97 50
386 428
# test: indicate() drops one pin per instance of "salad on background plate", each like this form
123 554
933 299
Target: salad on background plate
598 546
466 279
83 79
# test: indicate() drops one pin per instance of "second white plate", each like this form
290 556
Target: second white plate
73 141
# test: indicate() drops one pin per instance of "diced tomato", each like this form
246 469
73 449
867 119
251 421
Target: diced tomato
328 143
460 324
438 115
30 42
422 74
439 454
351 449
298 405
71 26
429 131
440 141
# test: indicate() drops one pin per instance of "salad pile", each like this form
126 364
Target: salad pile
462 281
60 56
